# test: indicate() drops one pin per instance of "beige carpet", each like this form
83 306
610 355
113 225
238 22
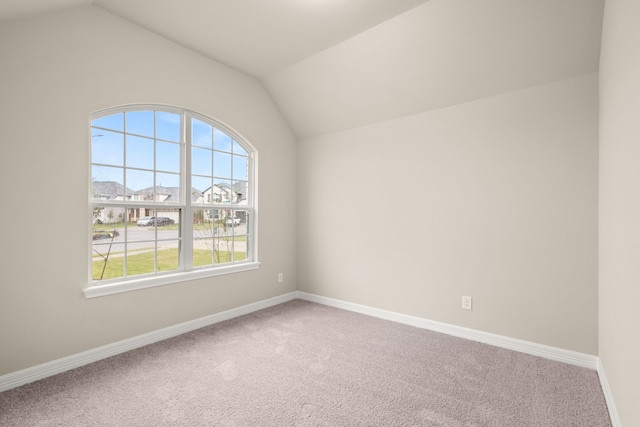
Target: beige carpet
304 364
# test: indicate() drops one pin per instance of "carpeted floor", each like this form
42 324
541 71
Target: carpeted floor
305 364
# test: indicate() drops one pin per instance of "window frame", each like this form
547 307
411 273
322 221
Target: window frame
186 271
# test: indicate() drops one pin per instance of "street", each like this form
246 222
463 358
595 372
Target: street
141 239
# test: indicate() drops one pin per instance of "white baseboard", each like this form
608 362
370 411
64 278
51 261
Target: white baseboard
608 396
548 352
38 372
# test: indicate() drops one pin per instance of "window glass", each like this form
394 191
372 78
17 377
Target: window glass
114 121
240 165
221 141
202 134
201 163
237 149
168 156
168 126
140 181
140 152
107 147
221 164
140 123
145 221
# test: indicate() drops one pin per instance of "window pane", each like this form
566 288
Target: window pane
205 222
203 253
138 181
168 234
168 126
240 249
107 147
223 242
108 235
108 174
142 262
240 232
240 167
111 216
143 218
237 149
139 152
215 194
168 157
221 164
170 180
202 184
224 190
201 161
114 121
168 258
221 141
140 123
107 262
223 249
108 243
167 221
202 134
240 219
240 192
166 193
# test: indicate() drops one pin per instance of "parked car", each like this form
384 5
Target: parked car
146 221
233 221
163 220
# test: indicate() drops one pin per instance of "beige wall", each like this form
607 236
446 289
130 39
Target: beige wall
495 199
620 206
54 71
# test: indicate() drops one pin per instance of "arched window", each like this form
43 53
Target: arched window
173 198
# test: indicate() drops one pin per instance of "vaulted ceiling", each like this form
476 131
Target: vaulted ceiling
331 65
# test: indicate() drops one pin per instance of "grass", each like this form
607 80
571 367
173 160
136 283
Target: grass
142 263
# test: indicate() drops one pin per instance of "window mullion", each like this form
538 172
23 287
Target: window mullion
187 226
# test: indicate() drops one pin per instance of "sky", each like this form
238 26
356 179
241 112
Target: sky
136 147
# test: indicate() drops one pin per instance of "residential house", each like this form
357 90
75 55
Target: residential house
109 190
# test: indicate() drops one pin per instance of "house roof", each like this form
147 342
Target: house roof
109 189
172 193
112 189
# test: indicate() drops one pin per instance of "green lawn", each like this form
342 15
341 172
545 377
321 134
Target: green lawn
167 261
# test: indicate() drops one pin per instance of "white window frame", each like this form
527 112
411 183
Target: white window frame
186 270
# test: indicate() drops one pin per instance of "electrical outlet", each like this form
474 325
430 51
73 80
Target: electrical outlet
466 303
280 277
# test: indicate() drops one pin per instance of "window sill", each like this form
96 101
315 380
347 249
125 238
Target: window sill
99 290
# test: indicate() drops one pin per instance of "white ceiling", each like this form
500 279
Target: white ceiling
442 53
15 9
331 65
257 36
